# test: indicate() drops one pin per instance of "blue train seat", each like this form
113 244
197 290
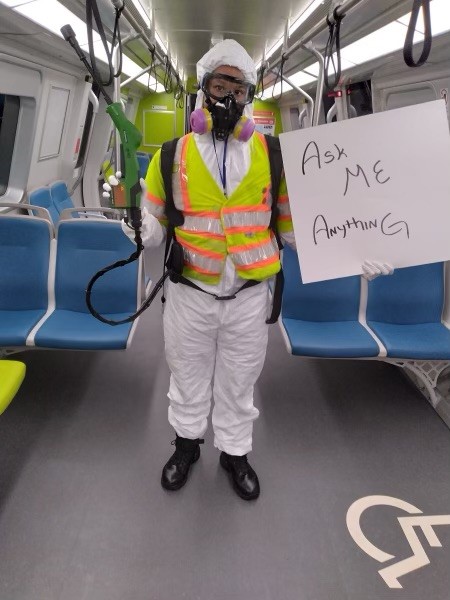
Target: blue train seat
43 197
12 373
85 246
25 243
143 160
321 319
60 196
405 310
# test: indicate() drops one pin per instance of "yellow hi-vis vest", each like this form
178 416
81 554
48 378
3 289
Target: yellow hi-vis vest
216 226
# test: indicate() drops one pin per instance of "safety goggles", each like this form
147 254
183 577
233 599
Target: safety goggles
219 85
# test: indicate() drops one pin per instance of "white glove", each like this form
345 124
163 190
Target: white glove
372 269
152 233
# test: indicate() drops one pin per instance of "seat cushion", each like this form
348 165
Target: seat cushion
427 341
15 325
81 331
339 339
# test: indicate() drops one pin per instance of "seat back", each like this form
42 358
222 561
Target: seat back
144 161
84 247
24 262
410 295
60 196
333 300
43 197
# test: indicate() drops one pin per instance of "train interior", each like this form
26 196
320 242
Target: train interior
355 392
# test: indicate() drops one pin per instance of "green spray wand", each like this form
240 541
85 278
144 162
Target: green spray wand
127 194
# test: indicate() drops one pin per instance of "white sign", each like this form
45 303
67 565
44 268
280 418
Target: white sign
374 187
419 557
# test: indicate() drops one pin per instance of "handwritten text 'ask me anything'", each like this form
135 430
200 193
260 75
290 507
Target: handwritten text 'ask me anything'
320 223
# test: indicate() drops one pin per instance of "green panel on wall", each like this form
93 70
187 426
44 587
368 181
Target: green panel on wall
159 126
156 124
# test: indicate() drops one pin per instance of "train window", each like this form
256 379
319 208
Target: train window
9 117
361 97
55 119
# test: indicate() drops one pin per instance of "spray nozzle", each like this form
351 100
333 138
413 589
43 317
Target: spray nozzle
68 33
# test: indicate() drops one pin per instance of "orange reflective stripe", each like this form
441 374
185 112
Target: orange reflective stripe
257 208
261 263
155 199
250 246
201 251
183 176
283 198
284 218
200 270
263 140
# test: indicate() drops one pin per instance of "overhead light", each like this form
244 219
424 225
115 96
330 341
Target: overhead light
379 43
13 3
161 43
298 79
131 69
440 18
301 78
315 67
52 15
304 15
142 12
274 48
295 25
275 90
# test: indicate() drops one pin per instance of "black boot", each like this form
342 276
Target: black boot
176 469
245 480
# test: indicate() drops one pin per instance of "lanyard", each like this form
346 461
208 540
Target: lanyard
223 172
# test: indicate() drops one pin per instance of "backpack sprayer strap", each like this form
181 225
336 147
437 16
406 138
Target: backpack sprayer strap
180 279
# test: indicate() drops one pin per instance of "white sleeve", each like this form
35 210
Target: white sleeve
152 232
289 239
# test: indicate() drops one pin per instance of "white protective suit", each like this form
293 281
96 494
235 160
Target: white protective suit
217 348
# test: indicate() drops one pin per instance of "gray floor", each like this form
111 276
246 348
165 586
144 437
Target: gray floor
83 516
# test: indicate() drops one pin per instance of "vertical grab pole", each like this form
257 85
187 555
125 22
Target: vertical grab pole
320 81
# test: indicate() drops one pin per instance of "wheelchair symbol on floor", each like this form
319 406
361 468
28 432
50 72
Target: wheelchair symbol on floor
419 557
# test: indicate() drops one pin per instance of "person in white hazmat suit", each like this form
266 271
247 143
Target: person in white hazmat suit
217 348
221 182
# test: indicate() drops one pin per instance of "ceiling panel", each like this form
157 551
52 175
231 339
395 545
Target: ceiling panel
190 26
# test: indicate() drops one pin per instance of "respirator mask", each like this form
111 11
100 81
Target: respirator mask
225 115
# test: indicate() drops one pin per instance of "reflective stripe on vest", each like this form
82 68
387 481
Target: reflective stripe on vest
216 226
